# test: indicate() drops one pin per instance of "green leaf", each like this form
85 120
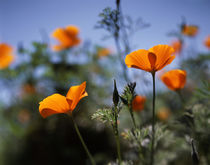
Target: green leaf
104 115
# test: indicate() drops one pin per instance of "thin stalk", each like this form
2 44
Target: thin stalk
117 43
82 141
132 116
139 147
180 96
118 148
135 127
153 121
120 58
116 132
124 32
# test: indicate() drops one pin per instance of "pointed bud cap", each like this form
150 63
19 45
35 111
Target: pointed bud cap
195 158
115 95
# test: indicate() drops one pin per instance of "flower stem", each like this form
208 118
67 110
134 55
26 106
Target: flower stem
153 121
119 21
116 132
118 148
180 96
132 116
82 141
121 59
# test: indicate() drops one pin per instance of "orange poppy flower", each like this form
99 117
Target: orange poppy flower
163 114
29 89
67 37
174 79
102 52
177 45
207 42
57 103
150 60
6 55
189 30
24 116
138 103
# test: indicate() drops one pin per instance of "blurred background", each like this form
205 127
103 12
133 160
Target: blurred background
38 71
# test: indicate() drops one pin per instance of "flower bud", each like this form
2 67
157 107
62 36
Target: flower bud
115 95
194 154
132 87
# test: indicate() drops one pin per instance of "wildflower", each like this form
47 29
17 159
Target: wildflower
57 103
138 103
103 52
163 114
174 79
67 37
29 88
128 93
177 45
207 42
150 60
6 55
189 30
24 116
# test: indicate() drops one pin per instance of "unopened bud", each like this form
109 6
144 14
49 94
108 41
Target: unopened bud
132 87
194 153
115 95
124 100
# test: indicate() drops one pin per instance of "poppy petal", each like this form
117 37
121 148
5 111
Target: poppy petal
190 30
207 42
174 79
61 35
177 46
75 94
53 104
5 49
182 78
167 82
138 59
6 60
6 55
138 103
72 30
58 47
163 53
170 59
152 60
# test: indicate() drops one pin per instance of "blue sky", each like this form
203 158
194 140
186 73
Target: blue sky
22 20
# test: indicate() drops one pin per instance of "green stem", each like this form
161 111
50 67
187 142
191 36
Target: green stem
118 147
116 132
139 149
132 116
181 97
120 58
153 121
134 134
82 141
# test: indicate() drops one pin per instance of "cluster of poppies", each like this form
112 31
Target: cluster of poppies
151 60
